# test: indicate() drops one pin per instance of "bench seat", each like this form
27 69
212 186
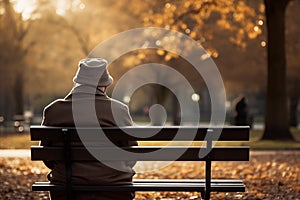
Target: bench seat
67 153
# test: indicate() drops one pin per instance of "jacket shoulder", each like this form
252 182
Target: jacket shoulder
53 104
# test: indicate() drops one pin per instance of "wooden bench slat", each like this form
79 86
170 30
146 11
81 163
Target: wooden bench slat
184 185
186 181
187 154
228 133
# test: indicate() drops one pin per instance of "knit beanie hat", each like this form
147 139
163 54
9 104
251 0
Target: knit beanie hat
93 71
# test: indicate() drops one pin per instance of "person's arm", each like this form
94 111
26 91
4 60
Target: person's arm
50 165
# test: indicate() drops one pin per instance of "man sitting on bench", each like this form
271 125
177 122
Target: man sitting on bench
59 113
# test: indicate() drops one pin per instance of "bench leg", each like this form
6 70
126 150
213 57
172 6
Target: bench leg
68 163
207 179
202 195
207 196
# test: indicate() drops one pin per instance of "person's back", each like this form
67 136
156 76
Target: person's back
60 113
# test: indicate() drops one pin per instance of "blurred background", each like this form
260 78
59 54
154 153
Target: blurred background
41 42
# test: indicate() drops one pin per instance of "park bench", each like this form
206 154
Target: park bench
205 186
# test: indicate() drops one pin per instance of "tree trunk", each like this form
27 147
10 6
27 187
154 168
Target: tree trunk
175 111
276 119
19 93
293 111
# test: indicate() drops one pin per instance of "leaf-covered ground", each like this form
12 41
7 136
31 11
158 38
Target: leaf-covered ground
268 175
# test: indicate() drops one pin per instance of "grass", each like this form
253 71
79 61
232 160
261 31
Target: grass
22 141
15 141
256 143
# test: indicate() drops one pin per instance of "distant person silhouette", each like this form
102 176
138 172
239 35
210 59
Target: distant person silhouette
241 112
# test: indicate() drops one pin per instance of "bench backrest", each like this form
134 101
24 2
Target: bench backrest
67 135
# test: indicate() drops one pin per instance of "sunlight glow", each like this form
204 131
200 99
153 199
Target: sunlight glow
160 52
195 97
168 5
215 54
63 6
2 11
126 99
26 7
228 104
188 31
157 43
205 56
60 11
